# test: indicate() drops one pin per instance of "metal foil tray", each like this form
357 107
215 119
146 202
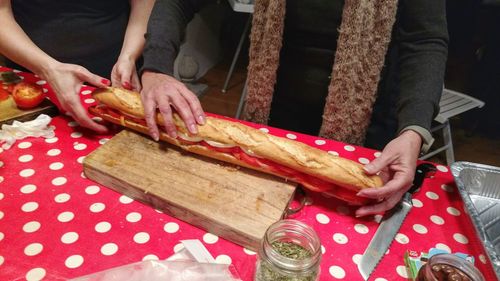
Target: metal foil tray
479 186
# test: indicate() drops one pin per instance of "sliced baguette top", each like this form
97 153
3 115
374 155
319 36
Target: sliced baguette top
284 151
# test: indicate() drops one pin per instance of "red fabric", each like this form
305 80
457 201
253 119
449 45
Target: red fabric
42 184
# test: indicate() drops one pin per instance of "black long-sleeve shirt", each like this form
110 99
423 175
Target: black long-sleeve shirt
412 80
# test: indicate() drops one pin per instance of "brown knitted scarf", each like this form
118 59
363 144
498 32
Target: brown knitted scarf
364 36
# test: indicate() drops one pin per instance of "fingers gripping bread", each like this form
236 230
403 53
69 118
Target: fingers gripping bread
314 168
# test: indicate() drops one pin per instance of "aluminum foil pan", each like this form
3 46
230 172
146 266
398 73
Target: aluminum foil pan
479 186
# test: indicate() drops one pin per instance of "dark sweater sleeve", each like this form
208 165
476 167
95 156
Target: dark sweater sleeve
423 48
166 28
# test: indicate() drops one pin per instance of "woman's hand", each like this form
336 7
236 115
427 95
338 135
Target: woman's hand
66 80
163 92
396 165
124 74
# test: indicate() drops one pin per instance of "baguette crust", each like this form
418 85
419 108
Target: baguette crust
293 154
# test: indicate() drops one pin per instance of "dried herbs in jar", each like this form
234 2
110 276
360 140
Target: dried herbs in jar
290 251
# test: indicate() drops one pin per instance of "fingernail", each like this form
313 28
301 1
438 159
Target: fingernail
127 85
193 129
201 119
106 82
155 136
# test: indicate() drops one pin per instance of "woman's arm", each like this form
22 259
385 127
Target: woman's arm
124 72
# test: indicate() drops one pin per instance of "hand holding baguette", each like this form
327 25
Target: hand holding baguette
239 144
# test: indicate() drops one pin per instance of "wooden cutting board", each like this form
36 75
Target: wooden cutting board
235 203
10 112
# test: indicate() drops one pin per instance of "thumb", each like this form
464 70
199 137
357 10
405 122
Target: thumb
93 79
377 164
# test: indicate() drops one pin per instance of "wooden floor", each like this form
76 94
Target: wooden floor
473 148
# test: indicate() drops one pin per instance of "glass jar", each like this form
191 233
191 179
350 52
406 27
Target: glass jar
445 267
290 251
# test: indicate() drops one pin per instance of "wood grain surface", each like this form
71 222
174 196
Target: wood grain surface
10 112
234 203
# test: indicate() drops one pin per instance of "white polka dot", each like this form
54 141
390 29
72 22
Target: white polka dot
54 152
442 168
76 135
356 258
483 259
402 238
337 272
171 227
69 237
86 92
363 160
340 238
126 200
109 249
103 141
248 252
437 220
27 173
319 142
377 218
35 274
361 228
61 198
1 236
89 100
443 247
417 203
29 188
102 227
80 159
65 216
74 261
401 270
41 82
150 257
223 259
33 249
97 118
1 215
56 166
59 181
380 279
291 136
73 124
333 153
452 211
447 188
31 226
432 195
323 249
1 196
51 140
45 91
92 189
79 146
349 148
460 238
377 154
322 218
82 174
29 207
1 164
141 237
178 247
24 144
420 228
97 207
25 158
265 130
210 238
1 179
16 70
133 217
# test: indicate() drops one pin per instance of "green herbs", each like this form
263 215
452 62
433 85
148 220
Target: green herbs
266 271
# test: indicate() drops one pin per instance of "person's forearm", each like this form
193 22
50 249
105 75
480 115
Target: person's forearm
134 40
17 46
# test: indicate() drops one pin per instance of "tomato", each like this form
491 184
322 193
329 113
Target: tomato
3 94
27 95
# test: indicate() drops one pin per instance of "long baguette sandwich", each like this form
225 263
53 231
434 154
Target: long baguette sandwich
242 145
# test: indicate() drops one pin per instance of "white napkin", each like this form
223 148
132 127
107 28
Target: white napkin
20 130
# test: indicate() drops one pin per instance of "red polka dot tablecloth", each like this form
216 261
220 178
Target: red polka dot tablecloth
55 224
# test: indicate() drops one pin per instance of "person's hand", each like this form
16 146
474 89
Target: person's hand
396 165
124 74
66 80
163 91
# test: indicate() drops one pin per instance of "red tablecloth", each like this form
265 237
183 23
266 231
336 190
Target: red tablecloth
56 224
